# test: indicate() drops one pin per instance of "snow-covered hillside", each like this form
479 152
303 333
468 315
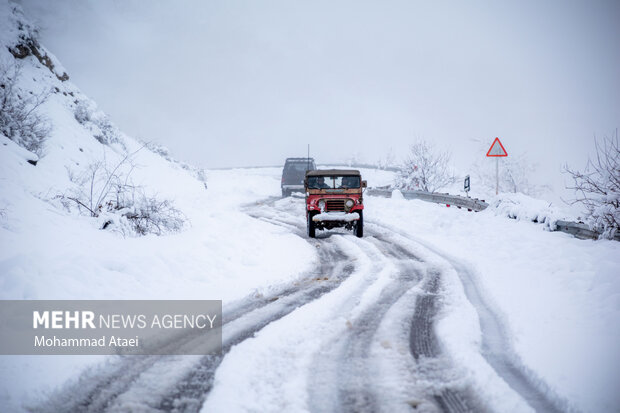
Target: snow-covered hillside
50 252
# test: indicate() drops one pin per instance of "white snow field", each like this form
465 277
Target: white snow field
435 308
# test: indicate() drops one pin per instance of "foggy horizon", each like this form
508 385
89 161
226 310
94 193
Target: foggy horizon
243 84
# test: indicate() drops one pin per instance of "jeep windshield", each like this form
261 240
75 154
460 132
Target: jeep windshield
333 182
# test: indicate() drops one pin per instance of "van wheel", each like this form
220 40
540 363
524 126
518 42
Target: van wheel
311 226
359 225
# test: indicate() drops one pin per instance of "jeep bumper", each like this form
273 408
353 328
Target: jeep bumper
336 216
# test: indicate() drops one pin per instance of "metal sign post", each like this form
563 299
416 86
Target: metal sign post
496 176
466 186
497 151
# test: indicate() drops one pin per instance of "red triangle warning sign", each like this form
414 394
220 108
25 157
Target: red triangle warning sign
497 149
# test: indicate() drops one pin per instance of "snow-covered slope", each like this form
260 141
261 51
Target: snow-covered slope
49 252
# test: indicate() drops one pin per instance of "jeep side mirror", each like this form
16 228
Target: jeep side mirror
364 184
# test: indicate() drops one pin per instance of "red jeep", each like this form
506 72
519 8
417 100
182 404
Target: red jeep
334 199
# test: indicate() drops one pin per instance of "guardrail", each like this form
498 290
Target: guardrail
472 204
580 230
577 229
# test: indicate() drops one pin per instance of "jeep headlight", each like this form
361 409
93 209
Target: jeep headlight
348 203
322 205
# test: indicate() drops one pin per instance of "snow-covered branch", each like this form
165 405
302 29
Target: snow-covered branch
425 169
597 187
20 120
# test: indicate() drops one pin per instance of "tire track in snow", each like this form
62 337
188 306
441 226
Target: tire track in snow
354 382
343 380
496 348
497 351
424 345
119 387
190 393
111 390
358 394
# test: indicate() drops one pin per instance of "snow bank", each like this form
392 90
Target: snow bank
558 296
525 208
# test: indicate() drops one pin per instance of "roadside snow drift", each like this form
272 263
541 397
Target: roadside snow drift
557 296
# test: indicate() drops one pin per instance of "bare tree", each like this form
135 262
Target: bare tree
425 169
516 174
20 120
598 187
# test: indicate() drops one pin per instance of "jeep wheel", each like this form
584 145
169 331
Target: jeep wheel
284 195
311 227
359 225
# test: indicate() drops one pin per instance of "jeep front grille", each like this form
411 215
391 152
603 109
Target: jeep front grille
334 205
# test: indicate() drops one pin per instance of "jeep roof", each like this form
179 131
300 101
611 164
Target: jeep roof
334 172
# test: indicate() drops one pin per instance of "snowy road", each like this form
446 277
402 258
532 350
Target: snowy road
358 334
355 384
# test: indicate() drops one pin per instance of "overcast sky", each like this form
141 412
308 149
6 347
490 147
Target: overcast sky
252 82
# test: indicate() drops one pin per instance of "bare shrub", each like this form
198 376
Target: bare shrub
97 123
425 169
109 195
149 215
597 187
82 112
20 120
